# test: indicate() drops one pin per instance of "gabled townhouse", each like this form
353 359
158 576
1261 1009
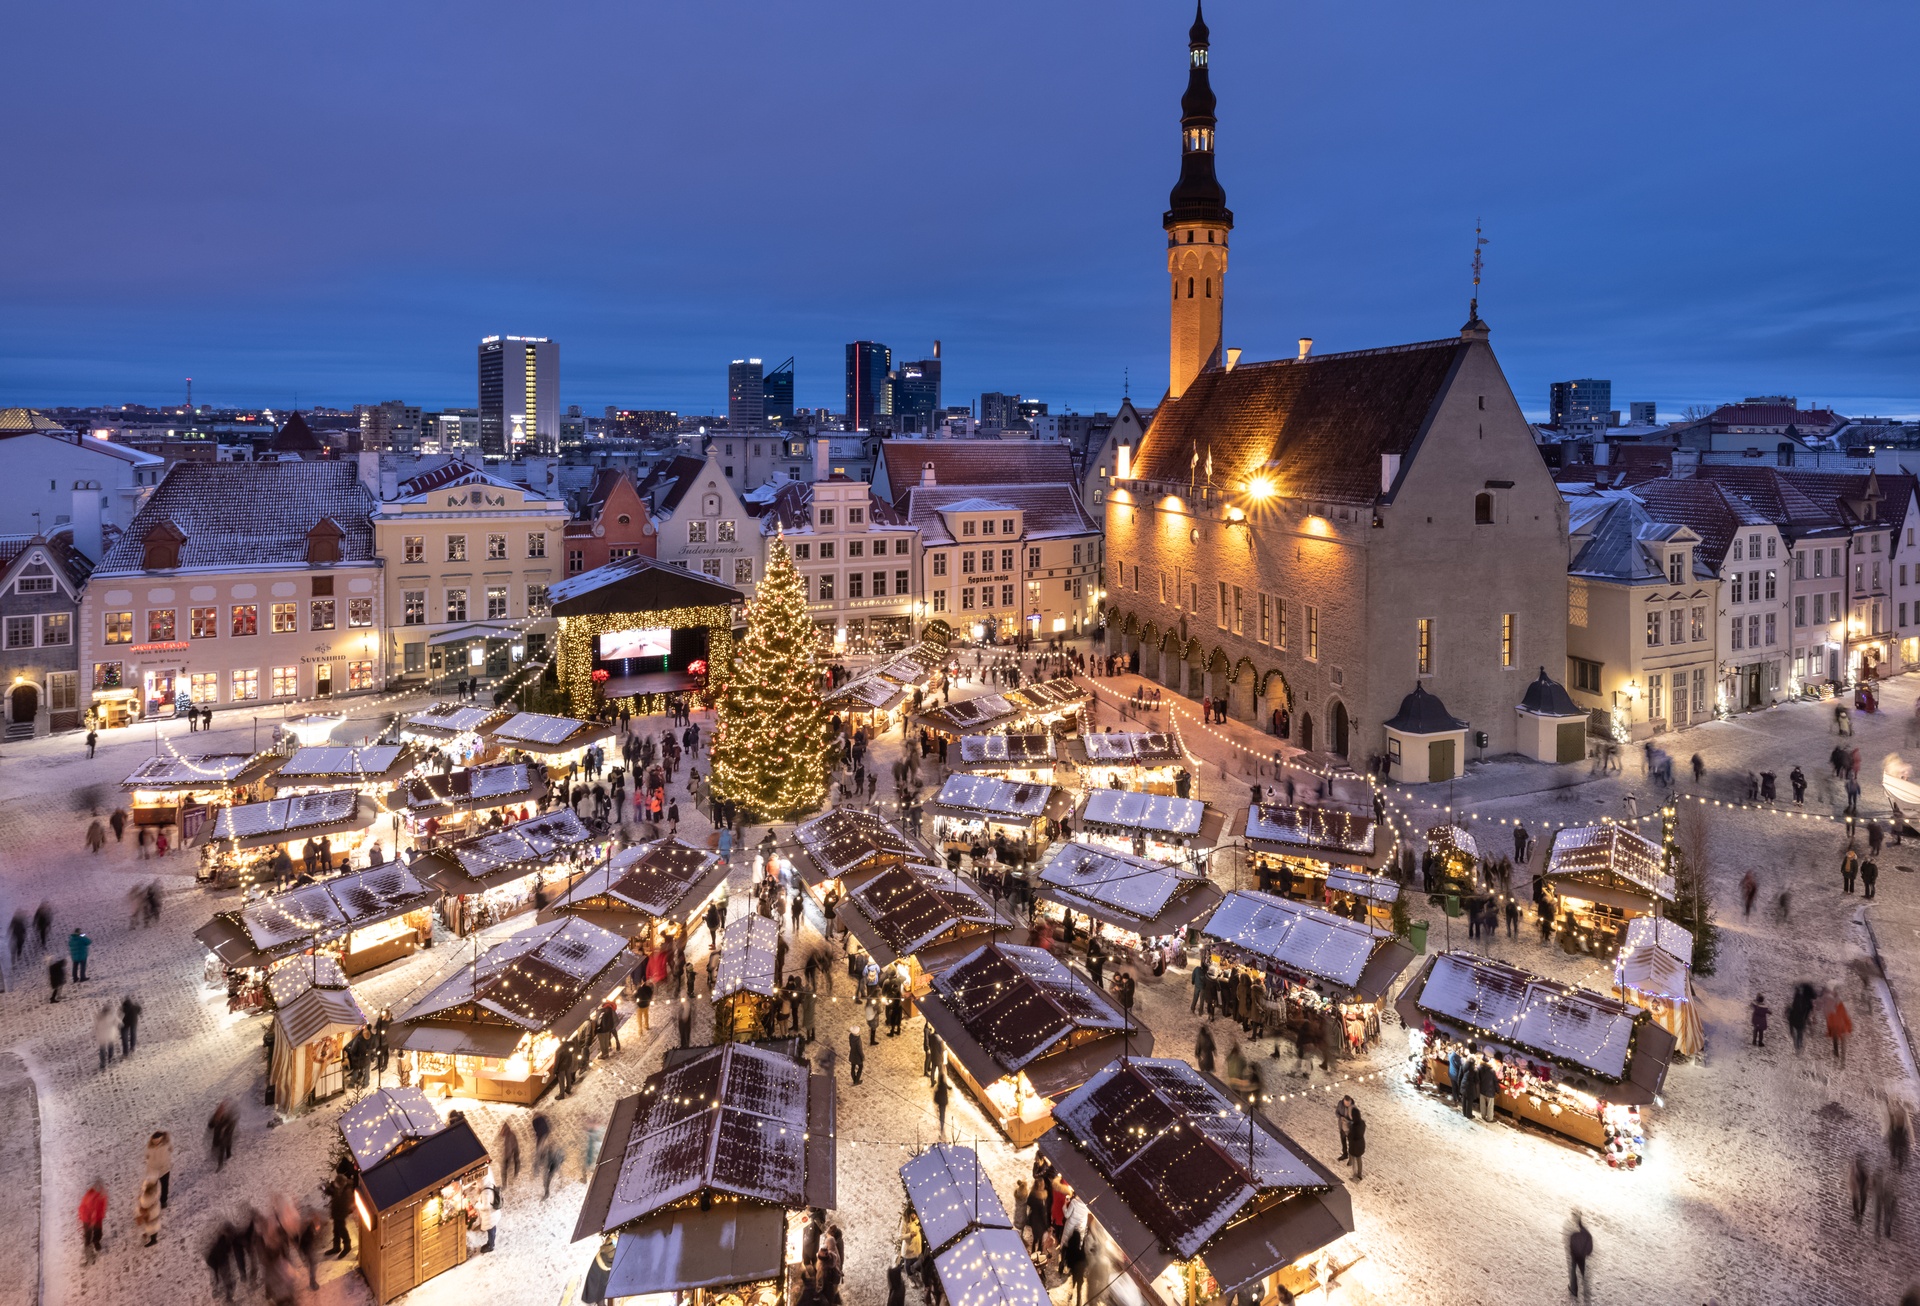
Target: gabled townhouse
614 522
858 559
704 524
41 578
1001 560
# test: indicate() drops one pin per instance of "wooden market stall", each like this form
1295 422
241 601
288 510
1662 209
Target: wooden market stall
314 1014
364 919
872 699
1294 847
744 987
1452 862
1024 759
919 919
1022 1030
371 770
1307 963
1201 1200
844 846
181 789
1159 826
1148 761
977 1256
241 843
1570 1061
983 806
490 1027
491 877
1655 970
419 1179
456 730
1043 707
702 1178
1600 877
447 804
556 741
1141 904
649 893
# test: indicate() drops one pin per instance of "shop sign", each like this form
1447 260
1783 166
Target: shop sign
172 646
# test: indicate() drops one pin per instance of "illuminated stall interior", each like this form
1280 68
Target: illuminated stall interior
463 800
1655 970
1138 900
1164 828
919 918
743 987
370 770
456 729
490 1027
1600 877
420 1179
650 893
491 877
1455 860
1022 1031
1146 760
1036 707
169 790
314 1014
1570 1061
555 741
240 844
981 806
977 1256
1294 848
703 1178
1308 959
1026 759
1197 1198
364 919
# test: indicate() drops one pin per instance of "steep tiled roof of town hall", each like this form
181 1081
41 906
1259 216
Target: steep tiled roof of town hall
250 514
1318 425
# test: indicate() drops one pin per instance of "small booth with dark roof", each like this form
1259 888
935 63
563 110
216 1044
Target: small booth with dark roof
491 877
650 893
1139 904
1190 1196
419 1180
1144 760
743 985
977 1255
1163 827
1570 1061
703 1178
447 804
180 789
1425 742
1021 1031
1552 726
844 847
919 919
1328 855
638 631
1597 879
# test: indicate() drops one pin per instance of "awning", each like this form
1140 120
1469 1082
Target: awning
1057 1075
1138 1247
229 942
606 1173
1383 968
686 1248
1278 1237
461 634
461 1040
1606 894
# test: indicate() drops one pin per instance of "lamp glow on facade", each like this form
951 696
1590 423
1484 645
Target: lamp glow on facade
1260 487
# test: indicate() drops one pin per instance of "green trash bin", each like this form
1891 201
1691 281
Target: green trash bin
1452 907
1417 936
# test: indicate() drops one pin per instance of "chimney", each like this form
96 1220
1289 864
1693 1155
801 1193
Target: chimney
87 536
368 473
1389 462
822 458
926 475
1233 357
1602 453
1306 347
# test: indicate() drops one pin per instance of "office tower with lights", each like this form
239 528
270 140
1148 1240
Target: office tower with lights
746 395
776 389
916 392
519 395
869 386
1584 400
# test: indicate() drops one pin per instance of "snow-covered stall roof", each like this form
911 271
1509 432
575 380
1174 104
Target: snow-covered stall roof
1291 827
1141 748
1378 888
537 732
1001 751
952 1193
662 879
1020 1004
976 713
1656 959
1182 1156
906 909
1131 809
1050 695
531 981
747 947
867 692
1444 838
505 855
199 770
282 819
990 1267
1303 939
845 840
1591 853
1135 893
1526 1011
448 720
325 764
473 788
386 1118
990 796
260 931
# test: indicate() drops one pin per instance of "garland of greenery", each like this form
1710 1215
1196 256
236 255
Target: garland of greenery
577 636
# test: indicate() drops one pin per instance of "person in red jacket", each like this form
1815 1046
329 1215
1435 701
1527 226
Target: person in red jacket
93 1218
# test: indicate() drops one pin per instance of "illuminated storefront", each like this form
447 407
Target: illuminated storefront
420 1180
491 877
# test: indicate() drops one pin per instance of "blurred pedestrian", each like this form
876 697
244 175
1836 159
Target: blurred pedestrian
146 1211
160 1162
1839 1029
220 1126
93 1219
1579 1249
1356 1142
129 1025
1759 1013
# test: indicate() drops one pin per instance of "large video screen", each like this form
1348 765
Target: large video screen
620 645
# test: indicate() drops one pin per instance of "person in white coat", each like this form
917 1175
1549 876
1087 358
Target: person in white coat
489 1212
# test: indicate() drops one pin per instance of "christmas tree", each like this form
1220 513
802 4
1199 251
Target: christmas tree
769 748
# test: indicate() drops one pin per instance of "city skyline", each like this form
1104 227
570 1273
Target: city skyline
242 249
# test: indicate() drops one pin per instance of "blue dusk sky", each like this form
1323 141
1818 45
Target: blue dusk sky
332 203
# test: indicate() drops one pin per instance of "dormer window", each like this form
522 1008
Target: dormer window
161 547
1676 568
323 542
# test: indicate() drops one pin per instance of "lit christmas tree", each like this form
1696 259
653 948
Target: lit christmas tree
770 746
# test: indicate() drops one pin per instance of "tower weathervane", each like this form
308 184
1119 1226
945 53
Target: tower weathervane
1479 241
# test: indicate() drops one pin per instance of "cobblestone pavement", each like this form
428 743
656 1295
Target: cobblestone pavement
1741 1198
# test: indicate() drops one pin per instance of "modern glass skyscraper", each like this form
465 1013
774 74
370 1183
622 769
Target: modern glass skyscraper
777 389
916 392
519 395
869 393
746 398
1585 400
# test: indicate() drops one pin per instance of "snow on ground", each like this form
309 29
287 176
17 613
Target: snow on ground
1741 1197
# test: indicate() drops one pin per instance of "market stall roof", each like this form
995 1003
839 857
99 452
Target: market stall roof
1376 888
451 720
867 693
1050 695
1139 894
1142 748
918 911
536 732
1656 959
845 841
385 1120
545 978
1325 833
992 798
1490 1001
376 764
1127 810
315 1010
687 1248
505 855
290 978
1007 1010
738 1123
474 789
969 714
1452 838
665 880
430 1163
747 948
1305 941
1166 1160
189 771
267 929
1004 751
282 820
952 1193
1610 857
990 1267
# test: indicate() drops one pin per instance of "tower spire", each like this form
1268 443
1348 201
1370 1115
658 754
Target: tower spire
1197 221
1475 329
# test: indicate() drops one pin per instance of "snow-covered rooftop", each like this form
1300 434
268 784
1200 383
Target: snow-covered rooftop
1130 748
952 1193
531 979
187 770
330 762
747 947
1136 887
1515 1007
539 729
1587 851
846 839
1306 826
1021 1003
384 1119
286 816
1132 809
991 796
1295 935
654 878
